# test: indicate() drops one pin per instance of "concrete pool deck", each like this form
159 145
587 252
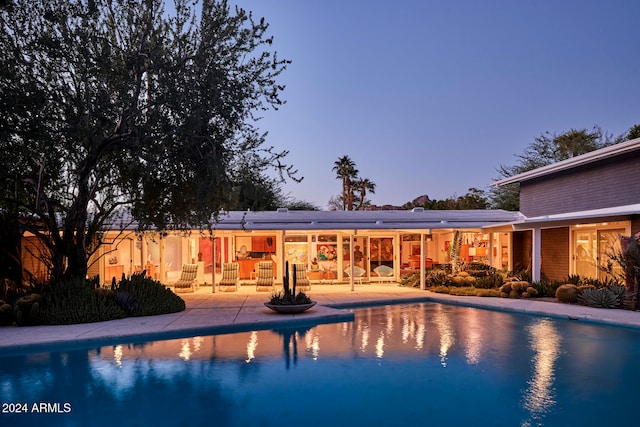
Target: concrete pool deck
223 312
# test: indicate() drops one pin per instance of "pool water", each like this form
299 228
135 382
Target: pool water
423 364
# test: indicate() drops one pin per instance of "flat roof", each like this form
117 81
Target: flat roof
415 219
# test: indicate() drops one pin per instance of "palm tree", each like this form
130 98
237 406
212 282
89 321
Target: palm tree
346 170
362 185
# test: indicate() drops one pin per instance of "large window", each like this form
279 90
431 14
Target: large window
592 247
296 249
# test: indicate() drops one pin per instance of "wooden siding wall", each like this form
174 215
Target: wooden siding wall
32 254
635 224
555 253
590 187
522 241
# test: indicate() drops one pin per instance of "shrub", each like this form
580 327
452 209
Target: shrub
478 269
6 314
462 279
493 280
151 296
437 278
10 292
412 280
440 289
126 302
488 293
466 291
26 310
574 279
567 293
546 289
75 301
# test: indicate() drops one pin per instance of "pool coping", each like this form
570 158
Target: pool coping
214 313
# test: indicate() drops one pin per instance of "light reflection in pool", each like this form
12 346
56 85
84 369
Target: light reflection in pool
503 369
539 396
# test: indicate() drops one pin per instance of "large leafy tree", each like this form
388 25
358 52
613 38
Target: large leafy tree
546 149
115 111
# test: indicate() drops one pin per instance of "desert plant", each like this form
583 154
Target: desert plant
147 297
478 269
437 278
440 289
289 295
488 293
462 279
73 301
6 314
574 279
454 252
493 280
463 291
10 292
26 310
411 280
606 297
567 293
546 288
126 302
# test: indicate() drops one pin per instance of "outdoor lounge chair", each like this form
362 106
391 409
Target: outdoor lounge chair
264 280
187 280
230 277
358 273
385 272
302 281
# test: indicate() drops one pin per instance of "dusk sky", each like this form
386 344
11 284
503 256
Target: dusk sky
431 97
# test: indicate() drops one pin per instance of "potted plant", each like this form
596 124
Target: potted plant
289 301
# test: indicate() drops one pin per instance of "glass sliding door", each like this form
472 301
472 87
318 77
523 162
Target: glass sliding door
360 251
608 244
592 250
586 253
381 257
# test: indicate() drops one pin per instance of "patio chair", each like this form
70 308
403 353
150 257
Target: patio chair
187 280
385 272
302 281
264 281
358 273
230 277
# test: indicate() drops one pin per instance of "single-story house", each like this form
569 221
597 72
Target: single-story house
571 214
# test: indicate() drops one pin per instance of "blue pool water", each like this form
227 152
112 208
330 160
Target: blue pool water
423 364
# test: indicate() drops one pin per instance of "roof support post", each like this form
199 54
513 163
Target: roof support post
536 256
352 261
423 257
213 262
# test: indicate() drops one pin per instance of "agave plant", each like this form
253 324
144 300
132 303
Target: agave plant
606 297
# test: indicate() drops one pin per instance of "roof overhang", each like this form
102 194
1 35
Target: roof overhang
611 151
617 213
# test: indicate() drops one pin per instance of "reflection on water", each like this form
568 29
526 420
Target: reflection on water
251 346
473 339
539 396
447 336
389 357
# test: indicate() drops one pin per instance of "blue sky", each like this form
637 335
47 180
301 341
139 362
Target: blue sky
430 97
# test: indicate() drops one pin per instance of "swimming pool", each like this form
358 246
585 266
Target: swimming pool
402 365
